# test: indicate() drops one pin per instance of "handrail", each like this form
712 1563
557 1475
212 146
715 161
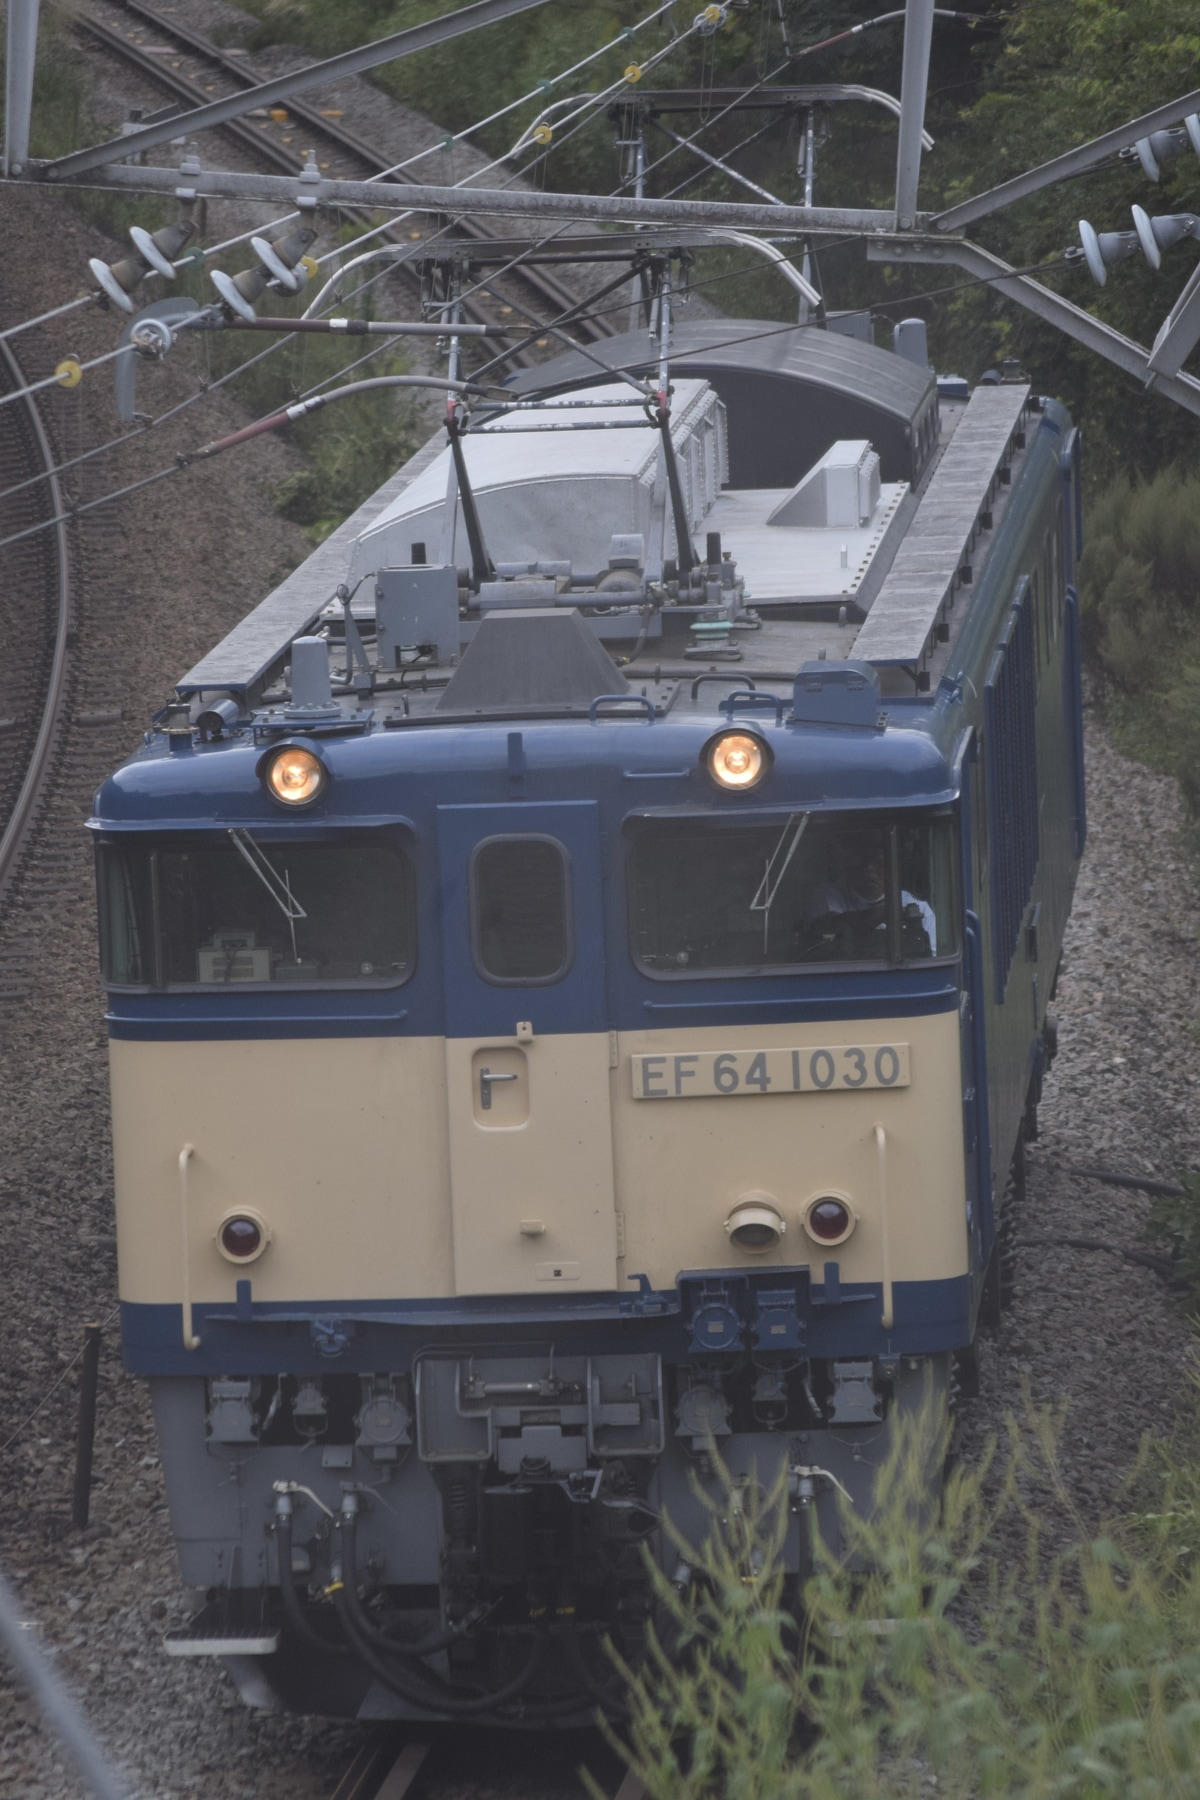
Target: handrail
190 1340
888 1317
612 700
751 700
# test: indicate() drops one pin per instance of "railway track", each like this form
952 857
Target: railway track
143 38
391 1766
37 600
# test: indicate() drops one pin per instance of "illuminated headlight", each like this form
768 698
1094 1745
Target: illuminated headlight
737 759
755 1224
295 776
242 1235
829 1219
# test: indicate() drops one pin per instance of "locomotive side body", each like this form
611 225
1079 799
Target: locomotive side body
605 1080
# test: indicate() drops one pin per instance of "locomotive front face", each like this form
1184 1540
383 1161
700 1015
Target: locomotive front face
527 1047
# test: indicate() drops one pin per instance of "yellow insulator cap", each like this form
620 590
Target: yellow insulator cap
68 373
542 134
633 72
311 264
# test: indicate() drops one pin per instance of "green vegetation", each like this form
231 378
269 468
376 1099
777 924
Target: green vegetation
955 1667
1140 591
61 90
62 120
351 447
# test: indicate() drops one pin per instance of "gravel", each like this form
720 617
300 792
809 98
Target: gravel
1089 1332
166 572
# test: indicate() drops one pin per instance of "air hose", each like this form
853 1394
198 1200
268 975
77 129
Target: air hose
366 1627
304 1630
430 1693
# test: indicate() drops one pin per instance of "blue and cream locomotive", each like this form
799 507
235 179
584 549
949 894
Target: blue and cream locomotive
578 959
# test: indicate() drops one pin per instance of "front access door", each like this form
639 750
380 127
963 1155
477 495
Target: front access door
527 1048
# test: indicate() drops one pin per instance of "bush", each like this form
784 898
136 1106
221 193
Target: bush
1140 600
950 1666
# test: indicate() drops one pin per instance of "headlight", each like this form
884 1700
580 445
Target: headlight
295 776
737 759
829 1219
242 1235
755 1224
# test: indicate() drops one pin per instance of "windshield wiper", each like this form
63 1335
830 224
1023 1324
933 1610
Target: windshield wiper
781 855
277 885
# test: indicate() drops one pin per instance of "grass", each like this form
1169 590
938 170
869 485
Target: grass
954 1666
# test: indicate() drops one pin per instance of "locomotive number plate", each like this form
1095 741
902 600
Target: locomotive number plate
686 1075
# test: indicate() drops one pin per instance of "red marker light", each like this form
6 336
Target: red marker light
828 1220
241 1236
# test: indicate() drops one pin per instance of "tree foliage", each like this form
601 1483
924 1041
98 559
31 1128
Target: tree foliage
1065 71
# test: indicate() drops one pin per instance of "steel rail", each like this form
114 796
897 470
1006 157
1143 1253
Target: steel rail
545 286
17 827
184 88
459 23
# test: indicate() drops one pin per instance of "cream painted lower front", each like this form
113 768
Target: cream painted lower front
340 1144
683 1164
347 1148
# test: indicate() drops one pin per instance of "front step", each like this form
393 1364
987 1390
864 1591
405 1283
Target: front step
219 1631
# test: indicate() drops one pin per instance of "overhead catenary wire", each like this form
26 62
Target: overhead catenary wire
55 312
199 252
68 374
211 387
615 372
382 175
488 283
589 107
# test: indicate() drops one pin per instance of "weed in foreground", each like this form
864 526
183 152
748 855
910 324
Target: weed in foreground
953 1662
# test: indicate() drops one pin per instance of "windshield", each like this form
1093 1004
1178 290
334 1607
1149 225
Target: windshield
222 909
709 895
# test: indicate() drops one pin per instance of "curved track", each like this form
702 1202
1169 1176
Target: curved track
37 600
355 155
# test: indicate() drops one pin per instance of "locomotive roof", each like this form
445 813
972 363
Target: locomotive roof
803 354
890 609
789 392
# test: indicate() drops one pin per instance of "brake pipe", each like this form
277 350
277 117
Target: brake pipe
432 1694
439 1639
298 1487
306 1632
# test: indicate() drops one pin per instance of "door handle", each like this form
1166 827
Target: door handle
486 1078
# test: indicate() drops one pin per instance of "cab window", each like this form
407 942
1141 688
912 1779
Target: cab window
711 896
226 909
520 910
